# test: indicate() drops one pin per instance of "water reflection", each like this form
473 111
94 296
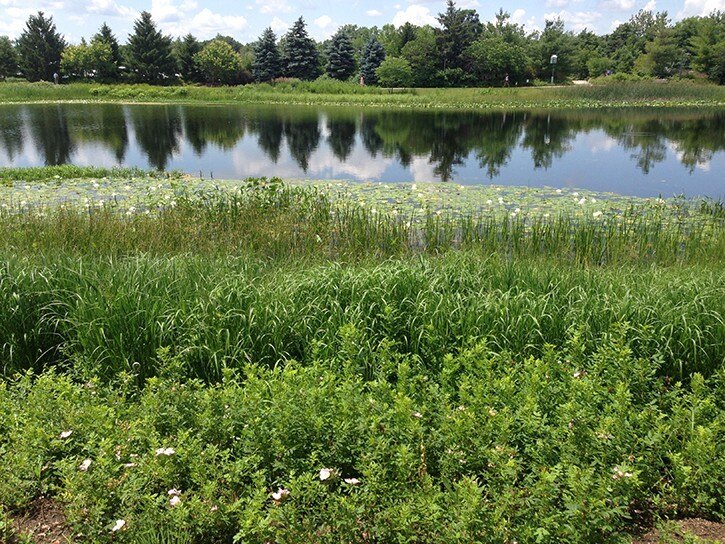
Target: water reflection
677 147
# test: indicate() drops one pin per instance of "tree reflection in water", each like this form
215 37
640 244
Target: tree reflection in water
445 140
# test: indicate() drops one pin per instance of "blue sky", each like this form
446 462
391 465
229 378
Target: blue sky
245 20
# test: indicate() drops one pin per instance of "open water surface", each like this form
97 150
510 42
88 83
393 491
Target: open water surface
643 152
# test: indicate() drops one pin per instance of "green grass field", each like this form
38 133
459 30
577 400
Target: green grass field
643 93
266 362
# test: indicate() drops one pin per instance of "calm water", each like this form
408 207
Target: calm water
644 153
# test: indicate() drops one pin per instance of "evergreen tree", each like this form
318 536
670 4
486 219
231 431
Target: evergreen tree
341 57
267 63
184 51
40 47
150 52
461 27
8 58
108 71
372 57
299 54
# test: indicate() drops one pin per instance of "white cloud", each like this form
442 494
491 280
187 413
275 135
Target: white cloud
415 14
373 13
109 8
278 26
557 3
273 6
576 21
323 22
700 7
205 24
618 5
467 4
650 6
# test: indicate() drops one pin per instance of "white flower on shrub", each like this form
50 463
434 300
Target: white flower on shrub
85 465
175 500
120 524
174 492
66 434
352 481
165 451
325 474
280 495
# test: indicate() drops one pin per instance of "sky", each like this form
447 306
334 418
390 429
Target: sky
245 20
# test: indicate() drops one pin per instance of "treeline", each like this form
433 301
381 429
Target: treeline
462 52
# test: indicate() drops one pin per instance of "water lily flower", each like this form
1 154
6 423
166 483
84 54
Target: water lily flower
597 214
120 524
489 202
558 191
66 434
85 465
582 200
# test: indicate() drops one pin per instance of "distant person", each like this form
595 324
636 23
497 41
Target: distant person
506 80
56 78
362 80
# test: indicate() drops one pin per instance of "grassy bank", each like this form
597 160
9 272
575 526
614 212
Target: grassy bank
260 362
326 93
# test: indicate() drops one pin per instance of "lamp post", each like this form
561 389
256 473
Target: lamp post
552 61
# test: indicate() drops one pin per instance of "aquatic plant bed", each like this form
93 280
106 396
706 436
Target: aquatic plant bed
205 361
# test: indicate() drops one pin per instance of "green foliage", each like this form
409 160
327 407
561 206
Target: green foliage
107 71
493 59
598 66
150 56
490 447
267 62
555 40
460 28
373 56
40 47
341 57
299 53
218 63
8 58
394 72
85 60
421 53
708 47
185 51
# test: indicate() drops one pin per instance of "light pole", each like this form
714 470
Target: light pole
552 61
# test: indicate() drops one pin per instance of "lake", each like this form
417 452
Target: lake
642 152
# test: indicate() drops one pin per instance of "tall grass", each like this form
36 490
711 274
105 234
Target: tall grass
323 92
274 221
107 316
69 171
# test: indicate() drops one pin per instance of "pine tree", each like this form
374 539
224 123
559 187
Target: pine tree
150 52
341 57
40 47
299 54
8 58
108 71
373 56
461 27
185 51
267 62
